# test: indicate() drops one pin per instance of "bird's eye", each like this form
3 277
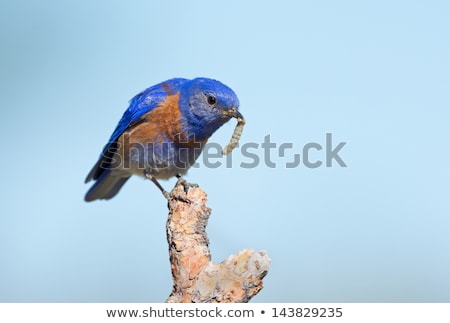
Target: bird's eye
211 100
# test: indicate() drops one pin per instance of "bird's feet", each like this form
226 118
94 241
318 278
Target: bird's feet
173 196
170 195
185 184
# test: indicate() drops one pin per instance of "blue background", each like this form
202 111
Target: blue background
375 74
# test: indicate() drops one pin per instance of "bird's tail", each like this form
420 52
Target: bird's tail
106 186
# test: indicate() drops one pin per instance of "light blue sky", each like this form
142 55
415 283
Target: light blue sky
375 74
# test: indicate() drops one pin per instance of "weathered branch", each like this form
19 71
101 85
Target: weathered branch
196 278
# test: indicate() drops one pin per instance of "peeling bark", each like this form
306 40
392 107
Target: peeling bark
196 278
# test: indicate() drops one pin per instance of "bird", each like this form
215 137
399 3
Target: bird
162 133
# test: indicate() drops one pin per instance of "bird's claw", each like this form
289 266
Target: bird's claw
173 196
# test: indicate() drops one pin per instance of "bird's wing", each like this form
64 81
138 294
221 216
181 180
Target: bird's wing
140 105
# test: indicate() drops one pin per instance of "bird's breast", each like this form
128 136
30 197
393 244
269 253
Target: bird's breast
158 143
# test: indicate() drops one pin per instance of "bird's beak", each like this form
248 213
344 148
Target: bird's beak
233 113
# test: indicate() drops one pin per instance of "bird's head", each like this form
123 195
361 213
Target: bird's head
208 104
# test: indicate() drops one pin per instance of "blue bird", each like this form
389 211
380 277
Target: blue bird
162 133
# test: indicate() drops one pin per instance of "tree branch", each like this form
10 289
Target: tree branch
196 278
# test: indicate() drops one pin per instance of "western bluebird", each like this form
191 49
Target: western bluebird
162 133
